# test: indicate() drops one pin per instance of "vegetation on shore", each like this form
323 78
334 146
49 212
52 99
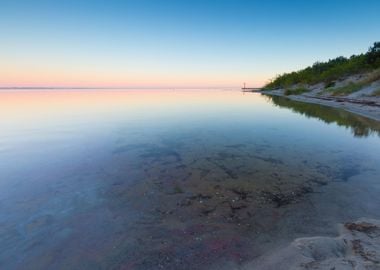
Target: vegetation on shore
376 93
354 86
330 71
295 91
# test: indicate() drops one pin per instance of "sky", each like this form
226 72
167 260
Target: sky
175 43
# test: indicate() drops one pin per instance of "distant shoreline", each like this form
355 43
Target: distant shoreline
116 88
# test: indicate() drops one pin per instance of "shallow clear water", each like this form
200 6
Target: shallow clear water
175 179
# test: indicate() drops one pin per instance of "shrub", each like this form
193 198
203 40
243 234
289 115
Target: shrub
330 84
295 91
376 93
346 90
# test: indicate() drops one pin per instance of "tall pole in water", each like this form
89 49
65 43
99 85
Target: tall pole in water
244 86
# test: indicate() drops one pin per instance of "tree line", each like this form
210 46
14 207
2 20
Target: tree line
330 71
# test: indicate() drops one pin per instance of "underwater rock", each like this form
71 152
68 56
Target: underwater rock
282 198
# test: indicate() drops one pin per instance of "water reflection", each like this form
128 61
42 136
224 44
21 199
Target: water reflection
171 180
360 126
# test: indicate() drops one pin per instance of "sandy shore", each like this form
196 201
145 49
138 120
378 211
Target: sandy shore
367 107
356 247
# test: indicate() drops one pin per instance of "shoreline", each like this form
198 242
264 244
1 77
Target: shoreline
359 106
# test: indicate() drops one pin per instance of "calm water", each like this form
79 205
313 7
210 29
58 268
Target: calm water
175 179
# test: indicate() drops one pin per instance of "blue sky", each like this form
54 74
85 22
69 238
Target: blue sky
168 43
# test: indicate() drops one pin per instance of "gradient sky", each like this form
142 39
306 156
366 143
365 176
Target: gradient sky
175 43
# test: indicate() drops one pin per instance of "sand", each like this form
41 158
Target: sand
356 247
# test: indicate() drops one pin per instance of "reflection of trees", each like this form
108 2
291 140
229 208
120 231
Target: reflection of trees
360 126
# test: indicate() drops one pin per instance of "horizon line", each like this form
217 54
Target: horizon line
105 87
